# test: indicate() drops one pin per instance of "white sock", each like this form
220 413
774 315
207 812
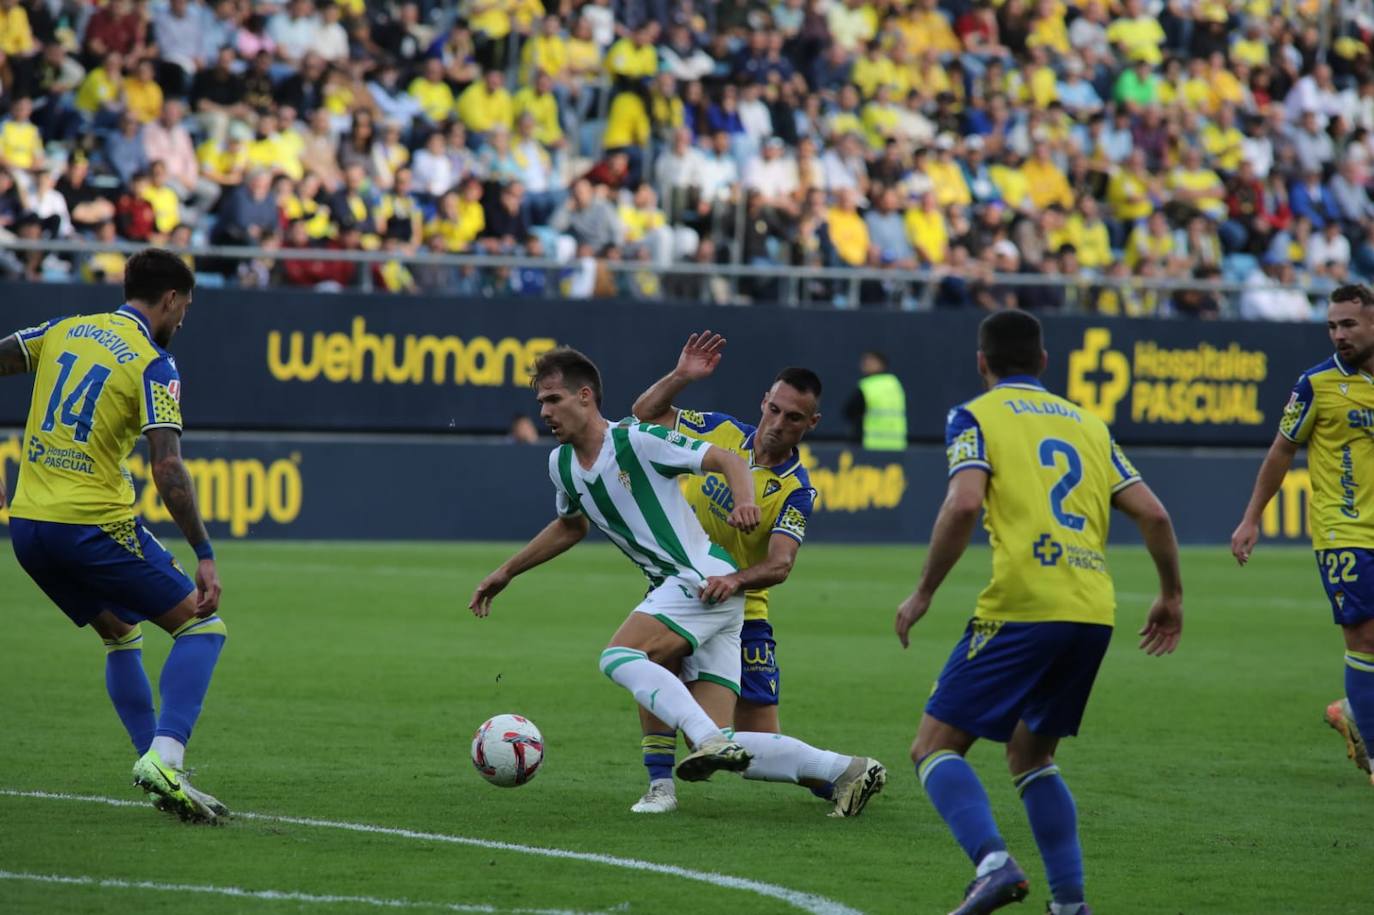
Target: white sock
991 861
1066 908
658 691
663 784
779 758
171 750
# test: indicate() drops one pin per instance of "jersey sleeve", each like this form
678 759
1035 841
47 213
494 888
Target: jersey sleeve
1124 473
31 342
964 444
1298 416
700 425
565 499
160 406
668 452
796 511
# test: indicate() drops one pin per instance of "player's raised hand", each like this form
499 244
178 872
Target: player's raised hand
492 585
2 492
719 588
1163 626
909 612
745 516
1243 540
207 588
700 356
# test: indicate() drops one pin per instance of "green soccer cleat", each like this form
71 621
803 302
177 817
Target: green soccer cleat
713 756
856 787
172 792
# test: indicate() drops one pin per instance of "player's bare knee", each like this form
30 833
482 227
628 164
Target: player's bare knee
1359 637
111 628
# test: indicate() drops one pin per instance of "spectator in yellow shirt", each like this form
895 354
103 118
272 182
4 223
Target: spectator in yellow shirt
541 104
947 176
99 95
1010 180
1149 242
1128 190
16 36
166 205
460 218
848 233
142 94
485 105
1087 233
925 28
634 59
927 230
21 146
1138 34
872 70
1223 140
1227 87
432 93
546 52
881 118
1251 47
1048 184
627 123
1196 187
1048 29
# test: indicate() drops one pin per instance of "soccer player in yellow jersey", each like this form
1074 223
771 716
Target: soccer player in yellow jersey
1046 473
765 555
99 382
1331 411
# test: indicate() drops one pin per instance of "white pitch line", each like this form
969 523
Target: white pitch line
272 895
807 902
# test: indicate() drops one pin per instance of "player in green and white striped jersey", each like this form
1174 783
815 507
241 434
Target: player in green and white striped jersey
622 478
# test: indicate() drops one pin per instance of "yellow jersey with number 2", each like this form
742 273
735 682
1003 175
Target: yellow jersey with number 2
1053 470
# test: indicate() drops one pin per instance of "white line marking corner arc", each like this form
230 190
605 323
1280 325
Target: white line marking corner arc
806 902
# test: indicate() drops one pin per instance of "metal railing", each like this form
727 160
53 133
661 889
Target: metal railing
792 284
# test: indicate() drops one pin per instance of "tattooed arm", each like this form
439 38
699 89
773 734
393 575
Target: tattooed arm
179 495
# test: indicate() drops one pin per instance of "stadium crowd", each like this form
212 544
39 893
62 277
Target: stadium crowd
1187 139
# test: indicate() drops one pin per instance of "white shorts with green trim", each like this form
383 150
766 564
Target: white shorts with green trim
712 631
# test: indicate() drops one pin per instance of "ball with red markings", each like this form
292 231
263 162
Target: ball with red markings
507 750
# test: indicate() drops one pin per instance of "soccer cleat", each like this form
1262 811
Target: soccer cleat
176 795
660 798
853 791
996 888
713 756
1340 717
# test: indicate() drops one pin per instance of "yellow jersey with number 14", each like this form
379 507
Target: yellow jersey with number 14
1331 410
1053 470
783 494
100 382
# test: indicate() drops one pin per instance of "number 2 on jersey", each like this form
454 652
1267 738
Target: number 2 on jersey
89 387
1050 448
1340 566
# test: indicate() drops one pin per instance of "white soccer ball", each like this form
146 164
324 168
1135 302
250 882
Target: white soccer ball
507 750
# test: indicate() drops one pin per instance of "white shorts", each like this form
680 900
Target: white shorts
712 631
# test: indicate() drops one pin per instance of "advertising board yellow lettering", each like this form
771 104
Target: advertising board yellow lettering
363 356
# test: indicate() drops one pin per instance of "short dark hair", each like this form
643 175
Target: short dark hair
152 273
880 356
804 380
1012 343
1355 292
576 370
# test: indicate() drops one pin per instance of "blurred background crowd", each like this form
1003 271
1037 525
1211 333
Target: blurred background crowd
1062 142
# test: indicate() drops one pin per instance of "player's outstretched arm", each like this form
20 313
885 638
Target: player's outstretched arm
1267 483
1164 624
948 540
179 495
12 358
559 536
698 359
745 515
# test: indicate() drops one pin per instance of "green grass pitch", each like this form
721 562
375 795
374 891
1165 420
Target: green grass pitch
354 677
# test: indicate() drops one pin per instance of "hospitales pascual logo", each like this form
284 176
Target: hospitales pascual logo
1198 385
